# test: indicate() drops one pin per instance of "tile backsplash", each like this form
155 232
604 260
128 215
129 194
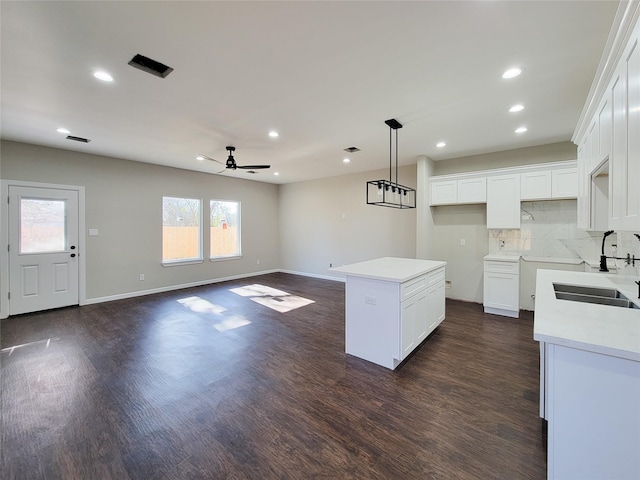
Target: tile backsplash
548 230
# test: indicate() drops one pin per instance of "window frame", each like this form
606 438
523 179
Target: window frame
238 255
191 260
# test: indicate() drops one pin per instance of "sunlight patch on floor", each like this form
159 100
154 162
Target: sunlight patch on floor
200 305
229 323
273 298
257 290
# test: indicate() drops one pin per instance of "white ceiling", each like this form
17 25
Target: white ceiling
326 75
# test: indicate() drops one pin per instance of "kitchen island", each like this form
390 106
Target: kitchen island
392 305
589 378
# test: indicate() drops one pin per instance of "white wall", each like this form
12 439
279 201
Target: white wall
328 221
124 201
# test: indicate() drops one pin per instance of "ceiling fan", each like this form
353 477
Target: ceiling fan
231 162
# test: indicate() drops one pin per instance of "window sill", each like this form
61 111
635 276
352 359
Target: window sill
177 263
224 259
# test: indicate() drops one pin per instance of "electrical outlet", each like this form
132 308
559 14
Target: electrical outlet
257 262
463 242
142 277
330 265
370 300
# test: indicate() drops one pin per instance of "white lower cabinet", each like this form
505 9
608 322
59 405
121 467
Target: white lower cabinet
502 285
421 312
435 303
413 323
592 403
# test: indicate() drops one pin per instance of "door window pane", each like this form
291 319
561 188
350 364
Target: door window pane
225 229
181 235
42 225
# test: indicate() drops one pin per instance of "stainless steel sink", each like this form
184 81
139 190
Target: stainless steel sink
597 295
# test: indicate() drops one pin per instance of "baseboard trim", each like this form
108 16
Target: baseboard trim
169 288
315 275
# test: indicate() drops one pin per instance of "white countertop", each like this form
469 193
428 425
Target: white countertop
602 329
391 269
502 258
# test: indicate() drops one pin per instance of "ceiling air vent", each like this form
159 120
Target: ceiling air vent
78 139
150 66
352 149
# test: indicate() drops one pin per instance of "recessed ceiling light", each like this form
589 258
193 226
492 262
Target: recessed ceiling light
441 144
274 134
516 108
199 157
102 75
521 129
512 72
276 173
346 160
63 130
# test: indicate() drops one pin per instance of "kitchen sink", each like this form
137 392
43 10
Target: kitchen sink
597 295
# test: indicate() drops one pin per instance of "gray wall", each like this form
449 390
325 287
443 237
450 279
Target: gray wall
327 221
464 263
554 152
124 201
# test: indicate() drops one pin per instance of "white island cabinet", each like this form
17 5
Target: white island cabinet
589 378
392 305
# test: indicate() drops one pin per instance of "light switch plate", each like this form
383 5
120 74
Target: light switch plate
93 232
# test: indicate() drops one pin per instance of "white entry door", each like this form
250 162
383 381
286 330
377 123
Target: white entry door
43 248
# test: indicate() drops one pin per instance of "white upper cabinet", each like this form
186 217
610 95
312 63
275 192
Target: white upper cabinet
605 115
624 168
444 192
564 183
584 187
503 201
535 185
472 190
546 181
457 191
608 134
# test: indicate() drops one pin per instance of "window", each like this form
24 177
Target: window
225 229
181 233
42 225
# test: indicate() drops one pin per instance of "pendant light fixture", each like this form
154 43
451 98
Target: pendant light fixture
387 193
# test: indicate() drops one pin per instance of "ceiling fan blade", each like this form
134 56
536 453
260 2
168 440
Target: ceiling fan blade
253 167
204 157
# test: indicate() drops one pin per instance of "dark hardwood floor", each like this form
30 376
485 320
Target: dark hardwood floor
147 388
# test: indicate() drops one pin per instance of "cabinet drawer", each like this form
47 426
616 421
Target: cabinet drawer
501 267
435 277
413 286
